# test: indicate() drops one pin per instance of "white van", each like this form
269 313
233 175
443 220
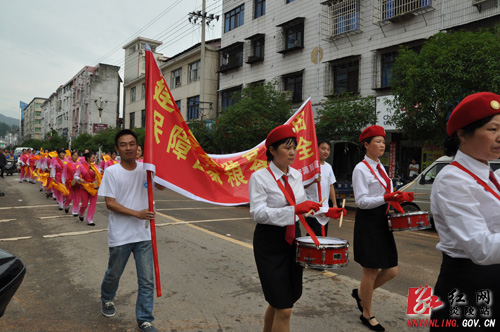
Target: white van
19 151
423 185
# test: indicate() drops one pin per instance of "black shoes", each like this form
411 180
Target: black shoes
66 210
355 295
366 322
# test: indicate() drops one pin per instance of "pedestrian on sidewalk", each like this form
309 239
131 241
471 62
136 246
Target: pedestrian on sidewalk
124 187
465 204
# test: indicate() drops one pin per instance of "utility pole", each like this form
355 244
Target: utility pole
205 20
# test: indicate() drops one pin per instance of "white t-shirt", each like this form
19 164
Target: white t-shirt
412 172
327 179
129 188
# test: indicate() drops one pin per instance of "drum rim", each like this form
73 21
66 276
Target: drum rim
414 213
342 241
322 266
411 228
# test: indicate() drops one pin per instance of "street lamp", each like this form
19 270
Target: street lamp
100 106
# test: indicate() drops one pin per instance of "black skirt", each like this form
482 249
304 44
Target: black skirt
280 276
374 245
478 285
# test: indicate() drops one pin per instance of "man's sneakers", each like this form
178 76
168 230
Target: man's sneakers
147 327
108 309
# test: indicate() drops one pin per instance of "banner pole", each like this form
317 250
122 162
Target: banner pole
153 235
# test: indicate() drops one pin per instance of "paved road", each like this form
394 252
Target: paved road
208 275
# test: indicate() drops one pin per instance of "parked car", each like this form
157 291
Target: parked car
12 271
423 185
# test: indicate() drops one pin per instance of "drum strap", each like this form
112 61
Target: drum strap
387 188
292 203
481 182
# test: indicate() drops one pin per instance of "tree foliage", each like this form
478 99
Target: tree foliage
342 117
204 133
245 124
429 84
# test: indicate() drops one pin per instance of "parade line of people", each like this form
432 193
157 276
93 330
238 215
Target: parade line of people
69 177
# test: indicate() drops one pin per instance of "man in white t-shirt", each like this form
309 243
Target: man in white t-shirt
124 186
326 180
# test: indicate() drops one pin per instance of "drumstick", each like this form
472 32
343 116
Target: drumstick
311 211
342 215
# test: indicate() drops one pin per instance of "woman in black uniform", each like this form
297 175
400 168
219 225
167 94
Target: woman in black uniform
275 214
374 245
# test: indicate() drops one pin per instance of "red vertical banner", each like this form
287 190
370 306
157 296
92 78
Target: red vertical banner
392 159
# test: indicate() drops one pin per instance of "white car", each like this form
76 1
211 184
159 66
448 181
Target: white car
422 184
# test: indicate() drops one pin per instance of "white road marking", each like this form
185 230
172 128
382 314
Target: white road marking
5 220
16 238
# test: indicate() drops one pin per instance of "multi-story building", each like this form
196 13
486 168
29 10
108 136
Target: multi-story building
183 75
317 48
33 119
86 103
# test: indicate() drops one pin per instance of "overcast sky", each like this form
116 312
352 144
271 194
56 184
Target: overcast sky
44 43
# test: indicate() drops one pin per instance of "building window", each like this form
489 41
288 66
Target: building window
178 103
260 8
132 94
132 120
194 71
234 18
229 97
193 108
291 35
231 57
391 9
176 78
346 77
257 43
293 83
143 118
387 62
143 91
344 17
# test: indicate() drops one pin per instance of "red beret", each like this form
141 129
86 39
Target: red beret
279 133
371 131
473 108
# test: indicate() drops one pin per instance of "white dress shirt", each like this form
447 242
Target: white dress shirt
268 204
368 191
466 216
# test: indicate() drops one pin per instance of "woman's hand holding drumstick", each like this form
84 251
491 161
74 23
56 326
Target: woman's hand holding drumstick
311 211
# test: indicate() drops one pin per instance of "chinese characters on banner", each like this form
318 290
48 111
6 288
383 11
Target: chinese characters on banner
182 165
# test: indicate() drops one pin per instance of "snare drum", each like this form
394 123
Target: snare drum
410 221
331 253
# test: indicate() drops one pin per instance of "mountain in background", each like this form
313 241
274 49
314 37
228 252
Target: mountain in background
9 121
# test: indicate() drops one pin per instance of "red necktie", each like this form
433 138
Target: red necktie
494 180
290 229
386 179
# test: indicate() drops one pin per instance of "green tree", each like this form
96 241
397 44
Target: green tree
427 85
84 141
342 117
204 134
106 139
141 135
245 124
